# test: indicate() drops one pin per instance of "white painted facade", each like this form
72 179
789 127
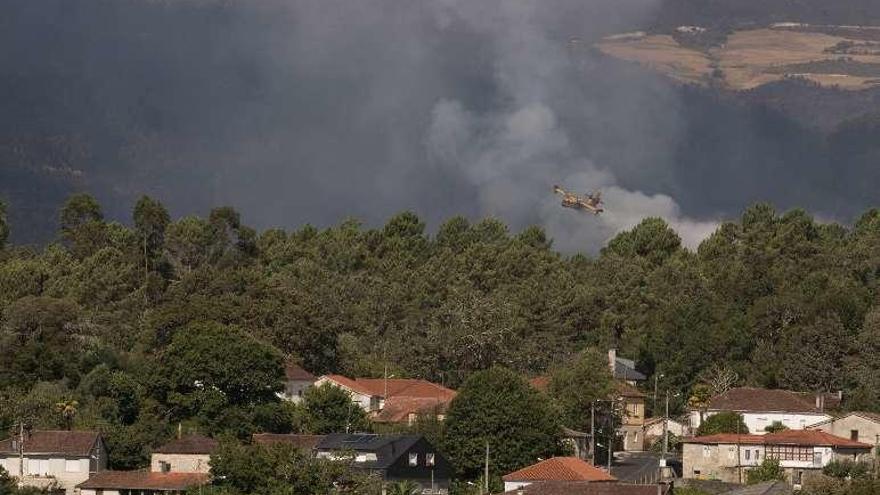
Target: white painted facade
45 471
294 390
510 486
757 421
366 402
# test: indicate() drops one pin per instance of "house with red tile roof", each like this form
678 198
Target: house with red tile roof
857 425
556 469
728 457
589 488
53 458
394 400
141 483
761 407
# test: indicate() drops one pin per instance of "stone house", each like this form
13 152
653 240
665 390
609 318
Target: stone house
187 454
859 426
59 459
728 457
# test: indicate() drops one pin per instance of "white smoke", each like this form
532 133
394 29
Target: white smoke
513 155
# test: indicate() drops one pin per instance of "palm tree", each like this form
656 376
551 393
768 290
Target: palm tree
406 487
67 410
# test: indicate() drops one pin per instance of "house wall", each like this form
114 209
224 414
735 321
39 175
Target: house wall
635 411
98 492
294 390
181 463
510 486
40 471
710 462
868 431
364 401
757 421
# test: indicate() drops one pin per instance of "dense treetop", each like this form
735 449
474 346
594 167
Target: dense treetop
189 320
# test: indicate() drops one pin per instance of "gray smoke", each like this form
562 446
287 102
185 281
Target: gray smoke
313 111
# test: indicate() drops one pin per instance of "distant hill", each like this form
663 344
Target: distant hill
743 13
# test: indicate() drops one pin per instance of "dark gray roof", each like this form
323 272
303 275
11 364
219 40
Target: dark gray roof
765 488
388 448
625 369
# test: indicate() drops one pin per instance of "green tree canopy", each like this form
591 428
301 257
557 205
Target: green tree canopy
577 383
723 422
497 407
330 409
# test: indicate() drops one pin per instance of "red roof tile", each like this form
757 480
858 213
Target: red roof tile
770 400
787 437
143 480
294 372
725 438
349 384
541 383
398 409
69 443
402 387
560 469
304 442
812 437
189 444
587 488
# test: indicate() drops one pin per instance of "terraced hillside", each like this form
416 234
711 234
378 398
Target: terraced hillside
847 57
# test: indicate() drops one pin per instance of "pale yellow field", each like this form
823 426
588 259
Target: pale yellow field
745 59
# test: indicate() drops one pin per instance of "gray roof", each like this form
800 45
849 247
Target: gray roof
388 448
765 488
625 369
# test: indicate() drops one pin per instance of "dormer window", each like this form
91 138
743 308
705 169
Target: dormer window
429 459
413 459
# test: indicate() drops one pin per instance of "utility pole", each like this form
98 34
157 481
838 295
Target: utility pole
20 452
654 407
611 438
486 473
593 432
665 427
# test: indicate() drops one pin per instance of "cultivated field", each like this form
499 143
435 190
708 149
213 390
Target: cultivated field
751 58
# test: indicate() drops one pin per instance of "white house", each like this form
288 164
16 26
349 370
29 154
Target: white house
728 457
297 381
761 408
59 459
394 400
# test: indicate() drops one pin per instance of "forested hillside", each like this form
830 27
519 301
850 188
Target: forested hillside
121 318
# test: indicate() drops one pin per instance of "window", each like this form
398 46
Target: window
798 477
164 467
748 454
757 454
790 453
854 435
706 451
429 459
413 459
38 467
71 466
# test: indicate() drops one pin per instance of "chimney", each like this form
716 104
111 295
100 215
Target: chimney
612 360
